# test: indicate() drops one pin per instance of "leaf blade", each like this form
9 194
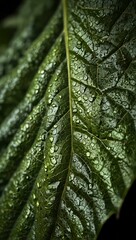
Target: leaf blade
82 160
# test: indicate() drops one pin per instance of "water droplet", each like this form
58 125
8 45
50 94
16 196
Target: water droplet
36 91
51 139
26 125
74 110
74 84
132 82
72 176
54 161
48 192
10 204
34 197
49 101
85 98
52 150
88 154
56 148
46 169
68 188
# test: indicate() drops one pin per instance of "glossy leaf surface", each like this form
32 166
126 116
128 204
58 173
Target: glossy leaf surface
68 124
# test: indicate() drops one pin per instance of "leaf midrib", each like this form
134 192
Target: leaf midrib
65 19
66 39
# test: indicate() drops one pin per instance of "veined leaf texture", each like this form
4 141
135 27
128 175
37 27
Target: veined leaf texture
67 118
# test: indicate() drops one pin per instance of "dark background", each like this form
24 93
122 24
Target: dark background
8 7
123 227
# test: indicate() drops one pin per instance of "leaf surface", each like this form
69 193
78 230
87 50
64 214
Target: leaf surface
68 132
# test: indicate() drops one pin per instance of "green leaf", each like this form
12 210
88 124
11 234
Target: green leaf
30 21
68 123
